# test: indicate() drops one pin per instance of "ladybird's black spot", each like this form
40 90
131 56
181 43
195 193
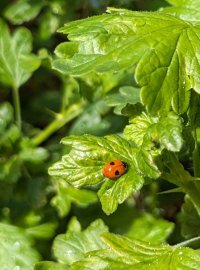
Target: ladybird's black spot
116 172
124 164
112 163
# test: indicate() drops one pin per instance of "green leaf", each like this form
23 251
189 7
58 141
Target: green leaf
177 175
23 10
43 231
126 95
6 116
100 54
113 193
67 194
133 110
16 249
184 9
74 225
91 121
74 245
190 220
9 132
34 155
150 229
94 86
17 62
138 128
89 154
10 169
194 110
50 266
126 254
49 23
10 137
165 131
168 64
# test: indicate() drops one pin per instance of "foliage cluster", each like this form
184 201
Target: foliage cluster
121 85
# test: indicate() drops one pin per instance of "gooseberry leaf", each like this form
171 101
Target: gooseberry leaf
124 253
66 195
150 229
113 193
51 266
184 9
42 231
16 249
91 121
194 110
17 63
9 132
6 116
73 246
126 95
10 169
190 219
138 127
165 131
89 154
23 10
164 47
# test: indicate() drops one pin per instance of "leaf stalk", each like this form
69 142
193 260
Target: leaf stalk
189 242
60 120
17 107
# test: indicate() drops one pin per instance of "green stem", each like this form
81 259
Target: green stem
192 241
196 158
192 188
60 120
16 102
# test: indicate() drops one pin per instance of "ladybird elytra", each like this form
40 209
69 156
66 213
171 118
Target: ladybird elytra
114 169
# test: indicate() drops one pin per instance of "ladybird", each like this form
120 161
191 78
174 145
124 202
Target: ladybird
114 169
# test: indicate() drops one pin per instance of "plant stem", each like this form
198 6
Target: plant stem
192 188
195 240
16 102
196 159
60 120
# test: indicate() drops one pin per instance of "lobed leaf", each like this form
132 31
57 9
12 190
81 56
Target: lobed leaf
50 266
66 195
190 220
164 47
23 10
16 61
194 110
6 116
42 231
125 253
72 246
16 249
150 229
113 193
10 169
126 95
184 9
165 131
89 154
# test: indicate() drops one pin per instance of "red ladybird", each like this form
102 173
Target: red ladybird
114 169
